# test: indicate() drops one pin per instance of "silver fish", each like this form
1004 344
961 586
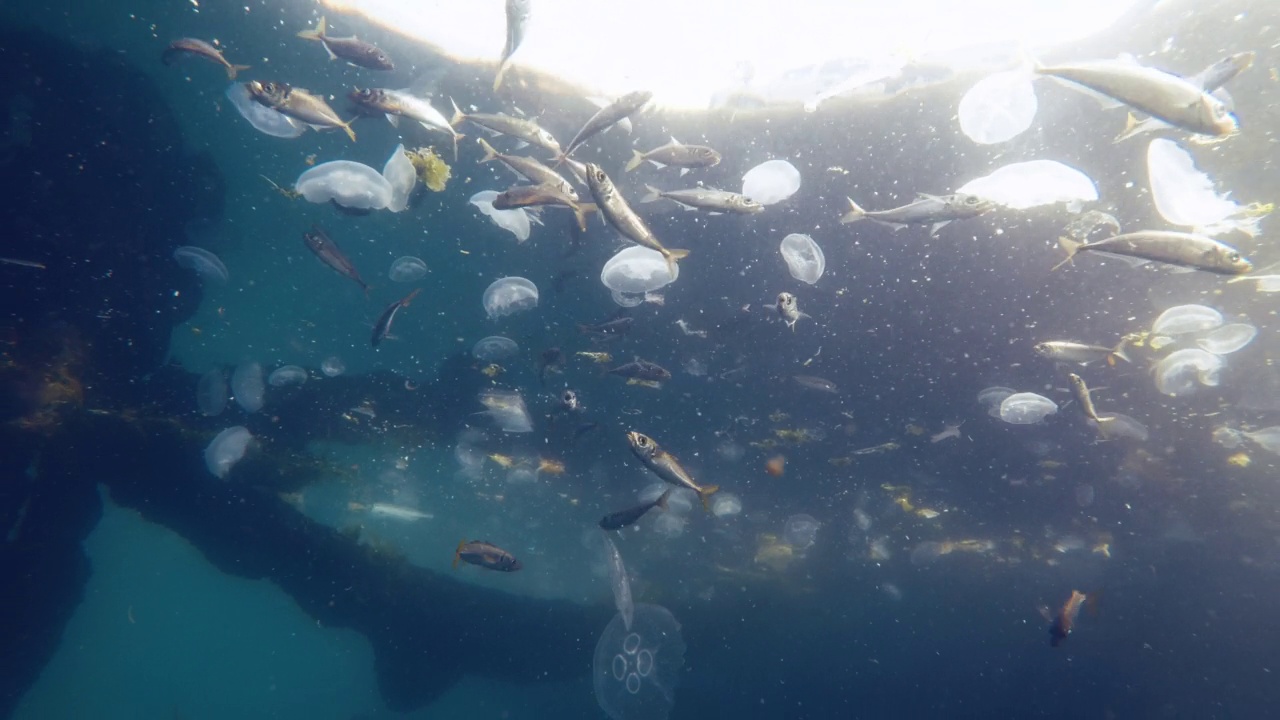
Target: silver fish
352 49
1174 248
1081 392
1074 352
400 103
528 168
615 209
607 116
709 199
676 154
523 196
789 309
666 466
298 104
934 210
525 130
199 48
518 12
1210 79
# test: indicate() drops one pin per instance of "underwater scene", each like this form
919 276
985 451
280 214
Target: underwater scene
370 359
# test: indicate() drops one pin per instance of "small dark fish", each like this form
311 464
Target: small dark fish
382 328
298 104
518 12
623 518
642 370
666 466
614 327
486 555
569 401
523 196
1062 623
816 383
607 116
933 210
1173 248
319 243
676 154
352 49
199 48
549 361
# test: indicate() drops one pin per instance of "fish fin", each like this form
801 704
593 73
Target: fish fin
316 33
927 196
637 159
662 499
652 194
676 255
855 213
1072 247
393 119
502 70
581 215
233 69
458 115
346 126
1130 123
706 492
1119 353
457 554
489 152
1104 424
522 144
456 138
938 226
674 141
684 171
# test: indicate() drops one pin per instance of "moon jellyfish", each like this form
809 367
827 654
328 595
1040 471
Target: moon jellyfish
927 552
1123 426
514 221
621 585
494 348
804 258
211 393
679 502
1182 319
627 300
800 532
333 366
998 107
771 182
1185 196
726 505
1228 338
206 264
226 450
349 184
247 386
1026 408
992 397
1229 438
507 409
262 118
1032 184
521 476
401 176
1267 438
287 375
636 670
1178 372
509 295
669 525
638 270
407 269
1084 495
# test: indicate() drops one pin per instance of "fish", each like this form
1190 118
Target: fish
709 199
612 327
615 209
392 512
192 46
529 169
23 263
549 361
323 247
1165 96
666 466
1165 246
676 154
523 196
1061 624
569 401
937 211
525 130
1074 352
814 382
606 117
352 49
789 309
402 103
641 370
518 12
1081 392
596 357
1210 79
298 104
623 518
486 555
382 328
948 432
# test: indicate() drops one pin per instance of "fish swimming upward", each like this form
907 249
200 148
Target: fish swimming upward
199 48
352 49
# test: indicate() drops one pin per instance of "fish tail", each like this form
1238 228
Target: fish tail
1130 123
706 492
233 69
662 499
346 127
1104 426
637 158
502 70
456 138
409 298
673 257
316 33
457 554
581 214
560 158
855 213
458 115
1072 247
489 152
652 194
1118 353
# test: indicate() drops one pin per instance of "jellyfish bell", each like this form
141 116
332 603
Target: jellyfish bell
287 375
726 505
1033 183
1179 372
1184 319
636 270
401 176
1186 196
333 366
247 386
206 264
1026 408
515 221
507 409
494 348
771 182
262 118
800 531
998 107
407 269
349 184
227 448
211 393
636 671
1228 338
804 258
509 295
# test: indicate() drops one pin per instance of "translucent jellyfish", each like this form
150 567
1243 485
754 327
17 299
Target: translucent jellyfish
401 176
621 584
638 270
521 475
1267 438
211 393
927 552
333 366
670 525
514 221
800 531
726 505
494 348
998 107
509 295
507 409
993 396
627 300
247 386
771 182
1228 338
226 450
1182 319
1026 408
287 375
261 117
804 258
1185 196
1179 371
1229 438
1032 184
1123 426
206 264
636 671
407 269
679 502
350 184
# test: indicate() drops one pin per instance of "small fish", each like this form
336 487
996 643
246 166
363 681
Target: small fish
401 103
518 12
1061 624
549 361
199 48
525 130
1081 392
550 467
1210 79
298 104
486 555
596 357
933 210
506 461
382 328
569 401
607 116
352 49
1174 248
23 263
320 244
615 209
613 327
666 466
1074 352
816 383
641 370
529 169
623 518
948 432
392 512
676 154
709 199
789 309
523 196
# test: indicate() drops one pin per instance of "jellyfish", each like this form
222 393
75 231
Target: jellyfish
514 221
507 409
206 264
1185 196
998 107
1183 319
927 552
1267 438
726 505
1026 408
494 348
211 393
800 532
679 502
401 176
1179 371
626 300
509 295
287 375
771 182
992 397
1123 426
1228 338
670 525
261 117
621 585
407 269
804 258
636 671
638 270
226 450
333 366
349 184
1032 184
247 387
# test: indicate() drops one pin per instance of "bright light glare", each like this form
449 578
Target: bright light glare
694 53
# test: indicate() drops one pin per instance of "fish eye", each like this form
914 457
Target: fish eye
1233 257
971 200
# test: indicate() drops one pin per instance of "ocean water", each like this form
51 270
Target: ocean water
143 586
